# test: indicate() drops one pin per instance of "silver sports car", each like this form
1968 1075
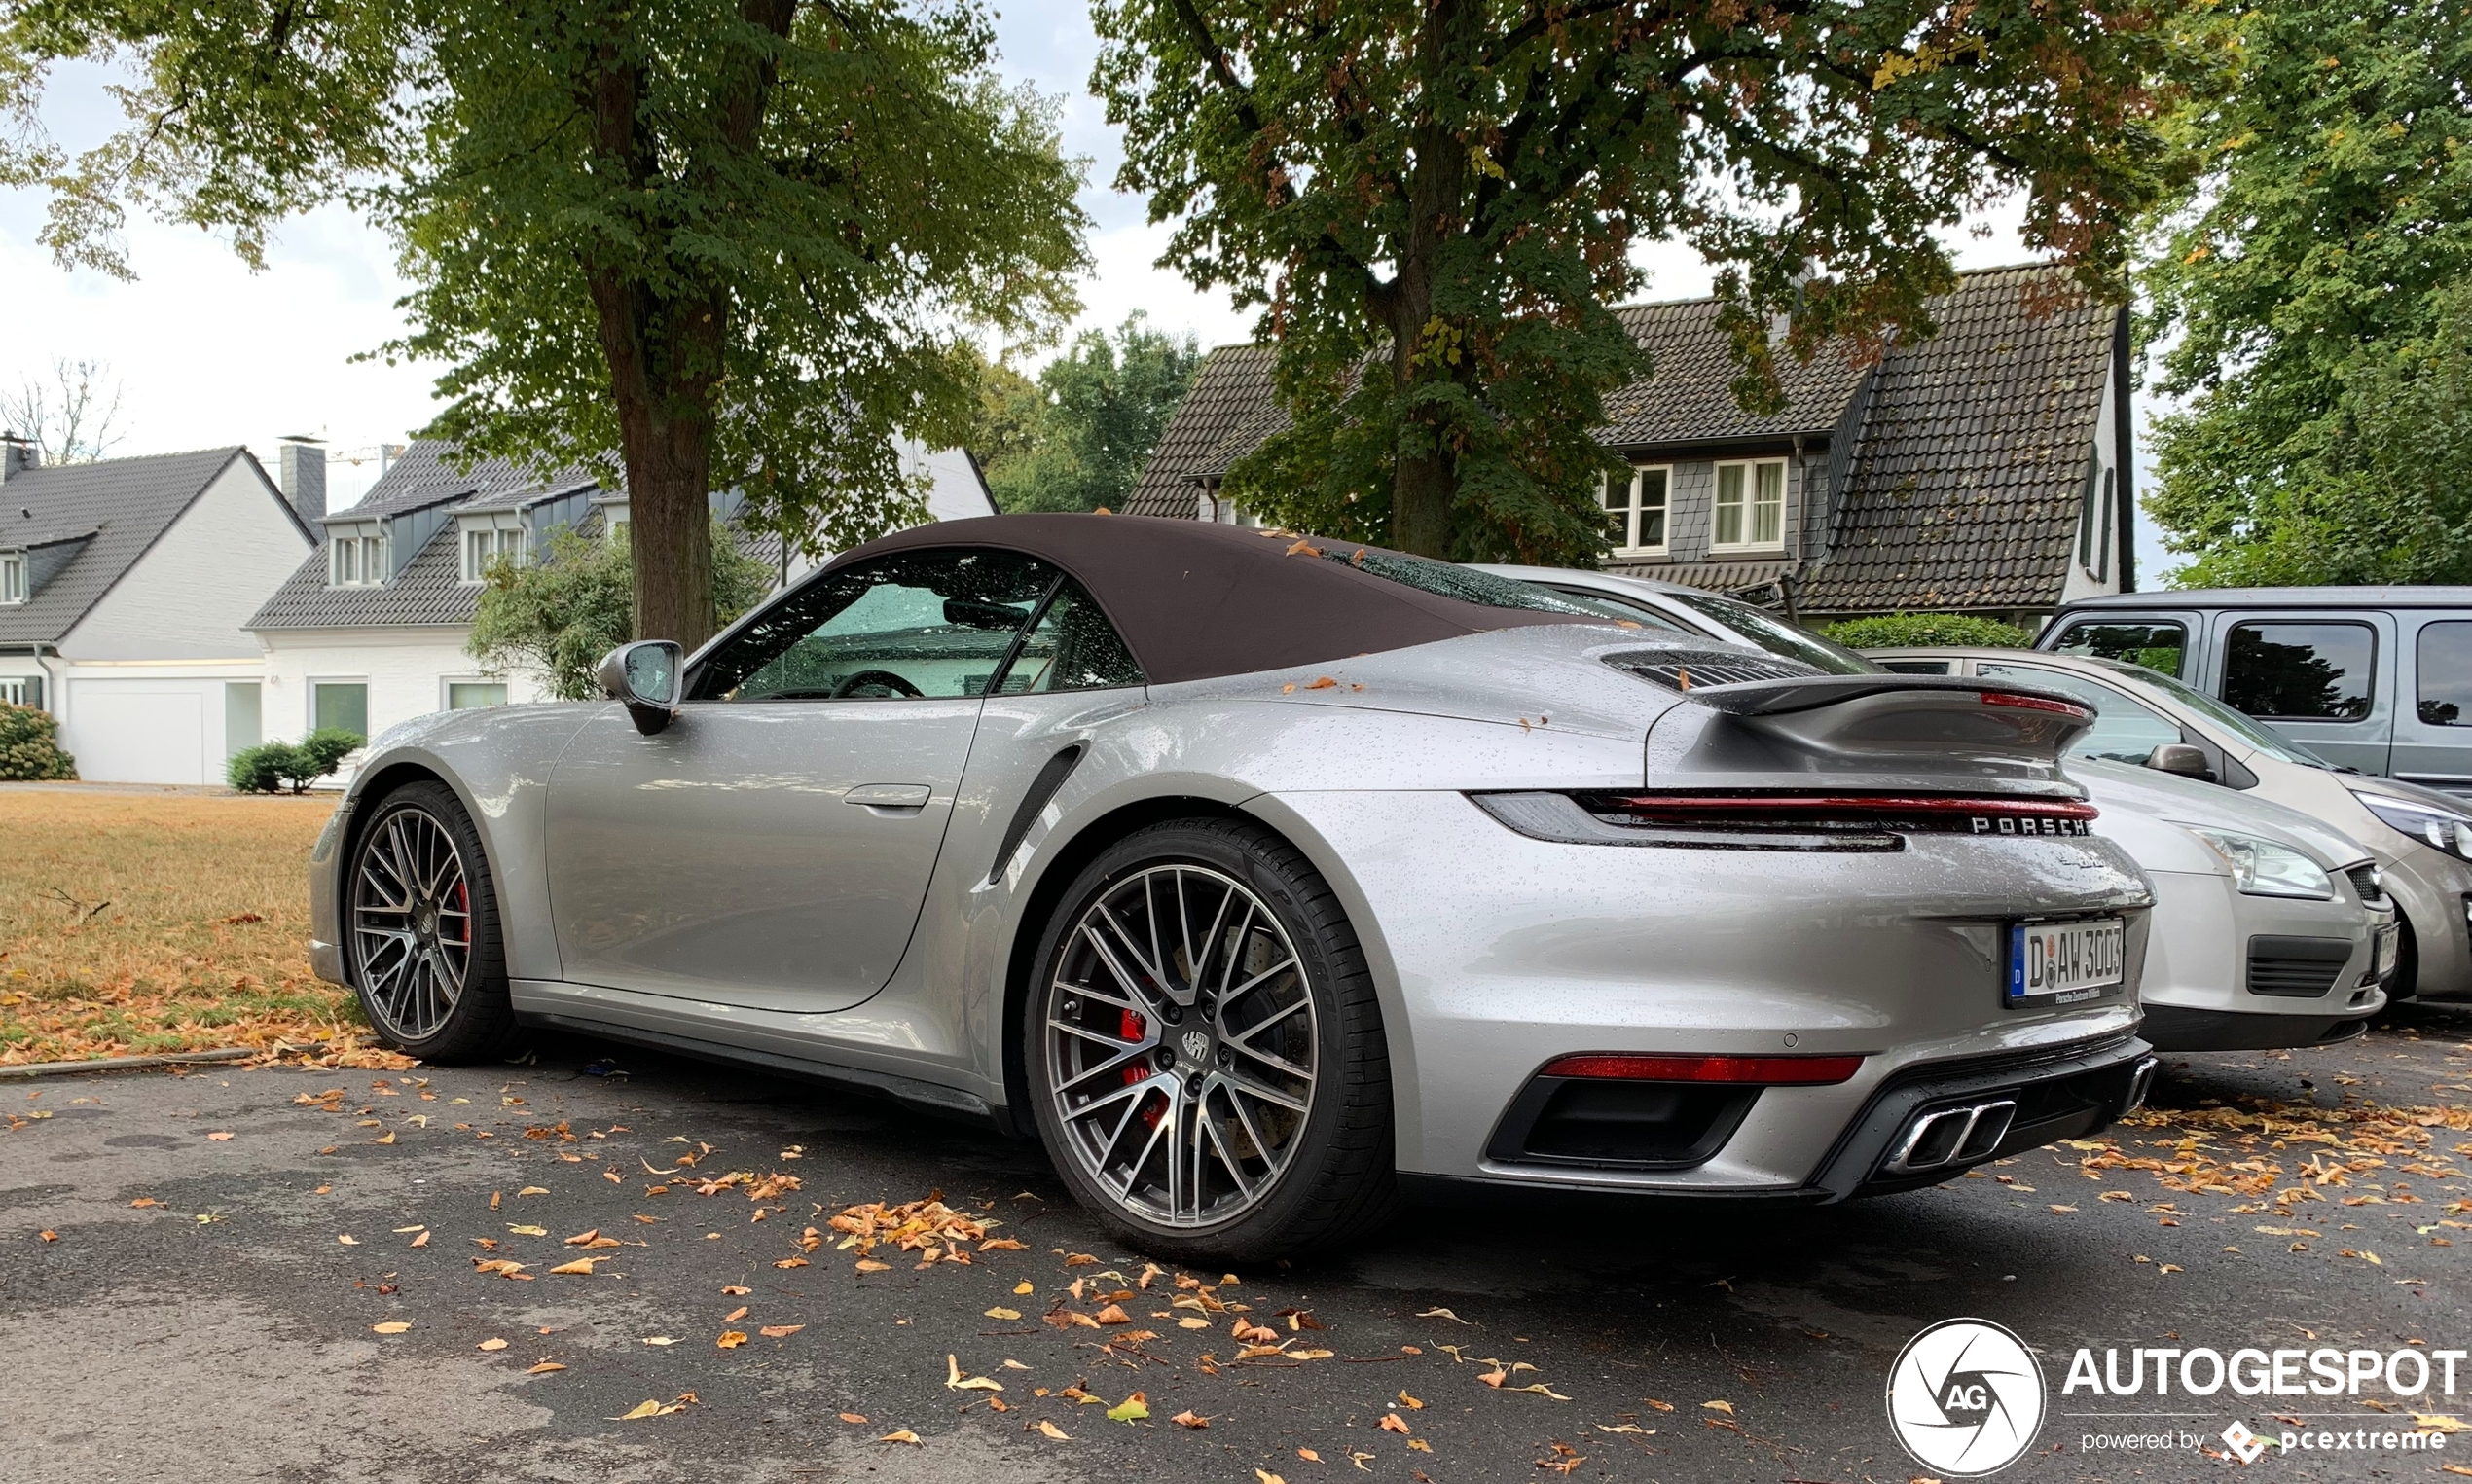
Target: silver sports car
1258 875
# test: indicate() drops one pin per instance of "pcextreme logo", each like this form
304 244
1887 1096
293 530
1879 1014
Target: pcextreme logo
1966 1397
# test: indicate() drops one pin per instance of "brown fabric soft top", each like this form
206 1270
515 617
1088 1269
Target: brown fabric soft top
1196 599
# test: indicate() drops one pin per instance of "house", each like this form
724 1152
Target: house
1986 470
370 629
125 590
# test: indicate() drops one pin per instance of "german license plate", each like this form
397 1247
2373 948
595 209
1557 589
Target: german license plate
2063 964
2389 945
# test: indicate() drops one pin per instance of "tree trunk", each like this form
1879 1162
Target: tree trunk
1423 482
668 526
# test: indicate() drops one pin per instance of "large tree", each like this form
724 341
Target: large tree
1077 437
1434 200
699 243
2313 297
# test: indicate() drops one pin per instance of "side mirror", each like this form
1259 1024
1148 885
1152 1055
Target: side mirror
644 677
2183 759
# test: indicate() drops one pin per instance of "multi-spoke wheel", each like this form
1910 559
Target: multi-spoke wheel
420 928
1201 1038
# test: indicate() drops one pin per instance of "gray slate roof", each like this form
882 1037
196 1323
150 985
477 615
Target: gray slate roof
121 505
1231 396
1688 396
429 592
1965 490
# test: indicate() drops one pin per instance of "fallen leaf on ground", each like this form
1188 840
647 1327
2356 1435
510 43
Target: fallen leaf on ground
1411 1403
1113 1313
530 1231
420 1241
1265 1476
954 1380
544 1368
1050 1429
1189 1419
535 1190
583 1239
1420 1445
904 1436
392 1326
731 1339
347 1239
735 1315
647 1407
1628 1426
1661 1407
1444 1313
866 1265
734 1291
220 1137
581 1265
1495 1377
1391 1423
1310 1354
490 1345
658 1339
1309 1456
779 1331
1132 1408
390 1139
1025 1286
855 1418
1541 1390
1002 1313
1726 1407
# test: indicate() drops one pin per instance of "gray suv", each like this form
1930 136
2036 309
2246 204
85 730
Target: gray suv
2377 679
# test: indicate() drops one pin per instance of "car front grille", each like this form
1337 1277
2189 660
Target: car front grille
2296 968
1681 670
2364 879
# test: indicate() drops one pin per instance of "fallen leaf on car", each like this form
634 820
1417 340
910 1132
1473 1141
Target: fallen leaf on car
1191 1419
1048 1429
544 1368
779 1331
1392 1422
1132 1408
391 1326
999 1312
490 1345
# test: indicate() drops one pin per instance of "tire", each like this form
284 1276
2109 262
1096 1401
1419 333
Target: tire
1124 1062
435 986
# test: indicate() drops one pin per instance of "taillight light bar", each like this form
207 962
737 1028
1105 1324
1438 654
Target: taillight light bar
1826 811
1740 1071
2022 702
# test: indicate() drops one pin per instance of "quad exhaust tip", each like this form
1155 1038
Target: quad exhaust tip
1952 1136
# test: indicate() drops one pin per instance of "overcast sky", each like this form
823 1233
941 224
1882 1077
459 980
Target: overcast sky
208 353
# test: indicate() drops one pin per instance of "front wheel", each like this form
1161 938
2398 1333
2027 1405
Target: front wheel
1205 1050
421 942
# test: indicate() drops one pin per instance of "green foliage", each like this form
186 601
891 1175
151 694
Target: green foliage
558 616
317 754
30 745
1920 630
261 769
1077 438
1433 202
711 243
2319 286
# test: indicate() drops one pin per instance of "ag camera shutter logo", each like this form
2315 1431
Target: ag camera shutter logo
1966 1397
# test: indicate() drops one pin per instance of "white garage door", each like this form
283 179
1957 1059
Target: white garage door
127 732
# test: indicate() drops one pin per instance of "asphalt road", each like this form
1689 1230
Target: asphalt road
192 1267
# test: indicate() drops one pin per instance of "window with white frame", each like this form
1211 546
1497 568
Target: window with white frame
486 542
11 577
21 690
473 693
1750 512
1638 508
356 555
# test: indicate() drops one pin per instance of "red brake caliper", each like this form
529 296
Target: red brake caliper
1132 1027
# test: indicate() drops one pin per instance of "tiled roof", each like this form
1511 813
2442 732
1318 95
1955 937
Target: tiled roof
1972 462
424 476
1715 576
1688 394
1232 393
126 504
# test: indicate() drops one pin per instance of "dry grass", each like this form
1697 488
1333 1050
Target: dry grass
132 923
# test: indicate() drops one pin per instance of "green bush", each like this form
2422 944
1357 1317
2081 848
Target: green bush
1917 630
30 745
317 753
260 769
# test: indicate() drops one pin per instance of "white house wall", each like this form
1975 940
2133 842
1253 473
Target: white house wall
131 721
188 596
406 672
2081 582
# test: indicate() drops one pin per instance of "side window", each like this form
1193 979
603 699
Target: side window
931 623
2299 672
2124 730
2446 675
1073 648
2158 644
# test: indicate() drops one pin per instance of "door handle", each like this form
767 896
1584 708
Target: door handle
889 795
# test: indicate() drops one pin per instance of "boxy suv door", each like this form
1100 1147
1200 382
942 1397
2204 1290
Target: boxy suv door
2323 677
2433 717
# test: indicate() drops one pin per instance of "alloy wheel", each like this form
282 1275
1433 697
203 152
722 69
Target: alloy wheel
1181 1045
411 924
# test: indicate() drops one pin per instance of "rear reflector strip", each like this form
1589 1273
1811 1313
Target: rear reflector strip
2025 703
1926 814
1766 1071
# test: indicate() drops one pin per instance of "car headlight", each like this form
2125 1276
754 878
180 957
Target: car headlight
2437 828
2263 868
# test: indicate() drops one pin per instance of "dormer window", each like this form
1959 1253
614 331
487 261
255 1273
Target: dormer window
489 539
356 557
1750 514
11 577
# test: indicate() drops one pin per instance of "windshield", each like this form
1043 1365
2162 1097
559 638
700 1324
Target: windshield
1444 580
1777 637
2273 744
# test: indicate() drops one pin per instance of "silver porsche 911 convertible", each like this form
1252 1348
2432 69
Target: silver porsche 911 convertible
1258 876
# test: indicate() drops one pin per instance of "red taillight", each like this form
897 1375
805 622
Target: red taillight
1826 809
2036 704
1771 1071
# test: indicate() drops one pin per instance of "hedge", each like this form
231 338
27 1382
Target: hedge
30 745
1921 631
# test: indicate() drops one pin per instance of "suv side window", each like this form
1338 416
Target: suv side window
2306 671
928 623
2446 675
2158 644
2124 730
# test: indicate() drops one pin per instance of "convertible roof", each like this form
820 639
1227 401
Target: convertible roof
1196 599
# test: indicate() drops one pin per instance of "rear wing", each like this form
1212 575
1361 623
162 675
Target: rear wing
1921 729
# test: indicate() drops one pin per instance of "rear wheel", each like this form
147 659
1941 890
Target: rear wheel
421 931
1206 1053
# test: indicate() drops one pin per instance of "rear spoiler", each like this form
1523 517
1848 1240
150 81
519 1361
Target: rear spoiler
1918 728
1776 698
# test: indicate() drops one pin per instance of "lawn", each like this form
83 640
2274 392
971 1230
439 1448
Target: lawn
132 923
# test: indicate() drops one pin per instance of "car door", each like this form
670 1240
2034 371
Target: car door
2324 679
772 847
2433 714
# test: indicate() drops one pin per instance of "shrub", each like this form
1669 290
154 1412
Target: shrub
30 745
1916 631
318 753
261 769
